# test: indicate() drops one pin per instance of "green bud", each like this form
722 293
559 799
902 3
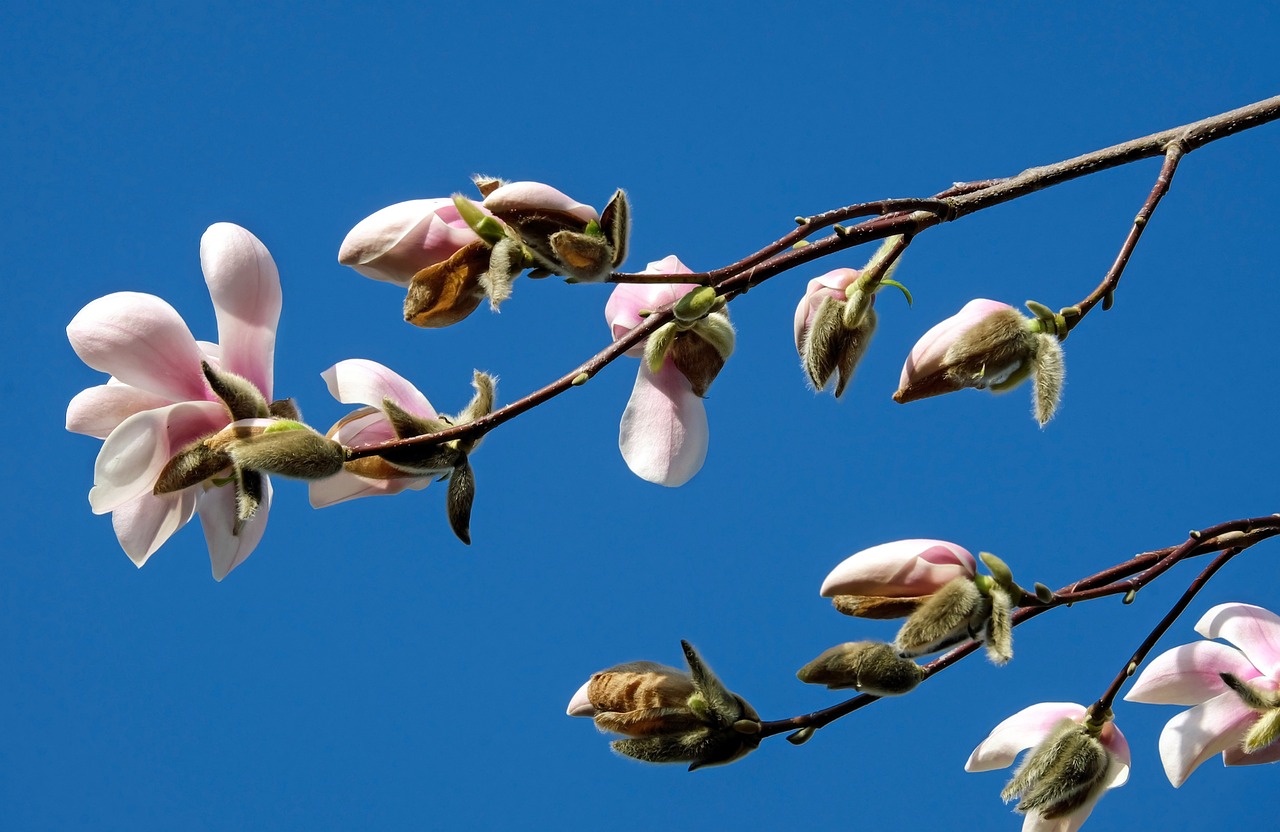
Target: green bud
658 345
695 304
802 736
999 569
1044 594
486 227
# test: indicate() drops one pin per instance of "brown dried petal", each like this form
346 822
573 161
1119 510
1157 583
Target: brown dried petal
447 292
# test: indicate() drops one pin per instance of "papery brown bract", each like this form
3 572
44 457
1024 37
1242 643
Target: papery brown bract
445 293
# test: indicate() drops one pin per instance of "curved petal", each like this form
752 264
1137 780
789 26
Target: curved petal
1188 675
1018 733
1236 756
399 241
227 550
97 411
927 355
1195 735
580 704
536 196
900 569
1121 758
345 485
143 524
361 381
1254 630
245 287
664 435
143 342
135 452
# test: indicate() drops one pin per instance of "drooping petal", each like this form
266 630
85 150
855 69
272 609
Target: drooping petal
399 241
1254 630
664 435
97 411
345 485
580 704
1195 735
245 286
1020 732
1121 758
361 381
1188 674
142 341
536 196
135 452
143 524
900 569
227 549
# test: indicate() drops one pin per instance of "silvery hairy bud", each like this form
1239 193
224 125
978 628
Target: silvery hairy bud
978 608
1061 774
866 666
669 715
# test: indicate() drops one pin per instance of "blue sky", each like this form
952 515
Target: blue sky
365 670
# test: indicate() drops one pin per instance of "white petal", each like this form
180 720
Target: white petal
143 524
99 410
1254 630
1195 735
1020 732
345 486
361 381
1188 675
580 705
664 435
228 550
245 287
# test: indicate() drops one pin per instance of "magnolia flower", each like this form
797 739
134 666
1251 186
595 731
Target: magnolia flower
158 401
398 411
892 579
562 235
987 345
663 436
669 715
399 241
825 341
1056 797
1232 715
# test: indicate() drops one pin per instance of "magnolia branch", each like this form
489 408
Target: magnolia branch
1123 578
906 217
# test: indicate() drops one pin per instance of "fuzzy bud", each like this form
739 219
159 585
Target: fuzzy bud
1067 769
866 666
953 614
297 452
1266 730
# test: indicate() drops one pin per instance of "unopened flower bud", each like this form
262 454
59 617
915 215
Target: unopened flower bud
866 666
563 236
953 614
1066 770
241 396
401 240
833 332
298 452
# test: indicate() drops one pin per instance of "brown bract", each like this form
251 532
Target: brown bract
443 294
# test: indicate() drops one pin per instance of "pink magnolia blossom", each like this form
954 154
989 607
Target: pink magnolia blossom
360 381
535 196
664 435
397 242
1027 729
924 373
157 401
901 569
830 285
1189 675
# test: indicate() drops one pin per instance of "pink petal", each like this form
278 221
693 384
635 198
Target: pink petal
536 196
1121 757
143 524
360 381
1019 732
99 410
228 550
927 355
580 705
1235 756
135 452
345 486
1188 675
245 287
829 285
1195 735
664 435
1254 630
142 341
397 242
903 568
366 426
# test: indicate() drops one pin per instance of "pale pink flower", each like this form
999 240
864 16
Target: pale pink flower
664 434
926 371
360 381
399 241
157 400
1189 675
525 197
901 569
1027 729
830 285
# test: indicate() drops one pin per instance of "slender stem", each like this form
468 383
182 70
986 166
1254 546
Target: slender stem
1233 535
778 257
1098 710
1109 282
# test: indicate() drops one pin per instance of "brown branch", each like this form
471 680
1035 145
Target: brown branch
1234 536
778 257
